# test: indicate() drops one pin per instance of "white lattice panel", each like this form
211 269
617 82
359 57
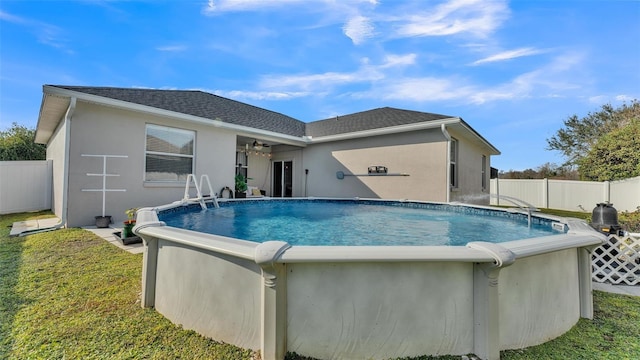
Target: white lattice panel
617 261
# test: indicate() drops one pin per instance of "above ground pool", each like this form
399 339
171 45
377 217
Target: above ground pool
366 278
358 223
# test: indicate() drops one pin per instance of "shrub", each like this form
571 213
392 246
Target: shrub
630 221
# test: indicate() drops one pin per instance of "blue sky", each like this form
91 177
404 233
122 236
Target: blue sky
513 70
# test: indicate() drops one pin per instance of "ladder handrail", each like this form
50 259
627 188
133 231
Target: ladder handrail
187 186
211 193
199 197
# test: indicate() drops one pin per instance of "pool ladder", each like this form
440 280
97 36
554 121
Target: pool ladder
199 197
520 204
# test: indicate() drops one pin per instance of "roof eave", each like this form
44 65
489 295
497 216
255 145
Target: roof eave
385 130
494 150
52 110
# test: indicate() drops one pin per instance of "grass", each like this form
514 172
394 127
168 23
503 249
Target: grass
69 294
563 213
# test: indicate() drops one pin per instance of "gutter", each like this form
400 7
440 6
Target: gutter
384 131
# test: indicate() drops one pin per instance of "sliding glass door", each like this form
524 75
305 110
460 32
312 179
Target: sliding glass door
282 179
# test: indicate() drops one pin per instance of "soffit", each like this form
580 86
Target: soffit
467 132
52 110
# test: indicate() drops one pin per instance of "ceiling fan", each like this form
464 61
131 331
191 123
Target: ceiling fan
258 145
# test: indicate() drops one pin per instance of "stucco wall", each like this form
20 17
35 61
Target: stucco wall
469 188
102 130
421 154
56 153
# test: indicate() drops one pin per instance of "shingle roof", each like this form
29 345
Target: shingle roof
201 104
209 106
368 120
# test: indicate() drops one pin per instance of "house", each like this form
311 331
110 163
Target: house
147 141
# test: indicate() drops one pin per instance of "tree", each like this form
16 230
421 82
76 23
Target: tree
580 134
17 143
614 156
547 170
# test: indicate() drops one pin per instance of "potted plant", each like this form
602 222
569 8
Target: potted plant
126 235
241 186
127 230
103 221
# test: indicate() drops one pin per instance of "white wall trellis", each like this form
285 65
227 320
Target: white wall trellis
104 176
617 261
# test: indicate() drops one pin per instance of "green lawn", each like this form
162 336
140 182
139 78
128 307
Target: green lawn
69 294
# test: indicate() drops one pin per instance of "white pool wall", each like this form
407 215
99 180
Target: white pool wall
368 302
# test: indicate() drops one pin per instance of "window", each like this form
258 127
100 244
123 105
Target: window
484 172
169 153
453 164
242 163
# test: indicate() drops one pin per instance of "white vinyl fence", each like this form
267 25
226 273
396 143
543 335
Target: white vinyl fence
25 186
567 194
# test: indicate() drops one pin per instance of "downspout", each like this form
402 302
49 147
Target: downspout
65 172
448 161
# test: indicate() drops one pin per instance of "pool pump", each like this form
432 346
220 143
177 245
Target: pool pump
604 218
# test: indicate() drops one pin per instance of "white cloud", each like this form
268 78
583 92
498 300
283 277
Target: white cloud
398 60
508 55
219 6
360 21
320 82
214 6
476 17
608 99
260 95
559 77
11 18
172 48
358 29
624 98
308 81
47 34
423 89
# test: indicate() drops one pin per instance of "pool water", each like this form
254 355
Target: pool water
343 223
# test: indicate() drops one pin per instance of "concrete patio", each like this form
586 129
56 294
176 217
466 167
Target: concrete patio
31 226
107 234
